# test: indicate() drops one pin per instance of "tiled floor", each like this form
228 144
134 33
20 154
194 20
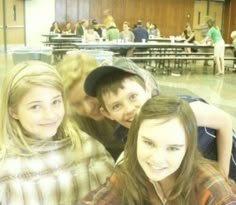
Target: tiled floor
218 90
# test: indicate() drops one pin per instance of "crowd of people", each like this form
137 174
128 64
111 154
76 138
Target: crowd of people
107 30
83 133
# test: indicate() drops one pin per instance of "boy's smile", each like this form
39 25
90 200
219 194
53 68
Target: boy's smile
123 105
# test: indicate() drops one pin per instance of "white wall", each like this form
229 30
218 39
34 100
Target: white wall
39 16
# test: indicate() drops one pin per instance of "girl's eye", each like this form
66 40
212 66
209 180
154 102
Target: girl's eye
34 107
55 102
149 143
173 148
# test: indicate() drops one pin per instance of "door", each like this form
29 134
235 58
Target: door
12 31
203 9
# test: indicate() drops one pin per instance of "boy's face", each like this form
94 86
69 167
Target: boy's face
123 105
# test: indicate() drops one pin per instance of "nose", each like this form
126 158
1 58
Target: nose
48 112
158 156
130 108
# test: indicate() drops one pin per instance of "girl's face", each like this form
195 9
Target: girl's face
125 27
83 104
161 147
40 112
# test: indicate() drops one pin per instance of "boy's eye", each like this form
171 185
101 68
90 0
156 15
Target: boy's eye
133 96
115 107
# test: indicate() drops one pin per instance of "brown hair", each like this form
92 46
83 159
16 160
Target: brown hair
131 177
114 81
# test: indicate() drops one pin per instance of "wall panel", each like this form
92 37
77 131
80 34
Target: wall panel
170 16
60 11
230 19
83 10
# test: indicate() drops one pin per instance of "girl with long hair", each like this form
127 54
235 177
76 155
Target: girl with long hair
162 164
44 157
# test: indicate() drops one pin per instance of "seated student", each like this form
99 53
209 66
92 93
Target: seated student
83 108
121 90
44 158
126 36
68 28
91 35
154 31
140 32
189 37
97 27
112 32
82 28
162 164
55 28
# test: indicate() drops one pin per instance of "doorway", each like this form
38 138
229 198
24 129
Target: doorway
205 8
12 24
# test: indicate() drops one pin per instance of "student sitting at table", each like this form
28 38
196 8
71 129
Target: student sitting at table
126 36
154 31
189 37
97 27
55 28
140 32
91 35
112 32
68 28
82 28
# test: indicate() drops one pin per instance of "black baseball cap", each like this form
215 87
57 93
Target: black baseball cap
119 64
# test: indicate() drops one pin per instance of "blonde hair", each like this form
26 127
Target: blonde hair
74 67
16 84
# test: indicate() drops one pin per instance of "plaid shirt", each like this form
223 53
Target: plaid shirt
57 175
214 191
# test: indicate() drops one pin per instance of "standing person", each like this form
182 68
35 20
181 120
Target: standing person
108 18
74 69
162 164
45 158
219 45
122 89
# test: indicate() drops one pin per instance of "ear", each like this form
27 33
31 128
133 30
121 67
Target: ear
105 113
13 113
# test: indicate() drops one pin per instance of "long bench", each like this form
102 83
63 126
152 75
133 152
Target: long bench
179 59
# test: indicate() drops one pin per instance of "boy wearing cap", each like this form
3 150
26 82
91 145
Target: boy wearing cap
123 88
